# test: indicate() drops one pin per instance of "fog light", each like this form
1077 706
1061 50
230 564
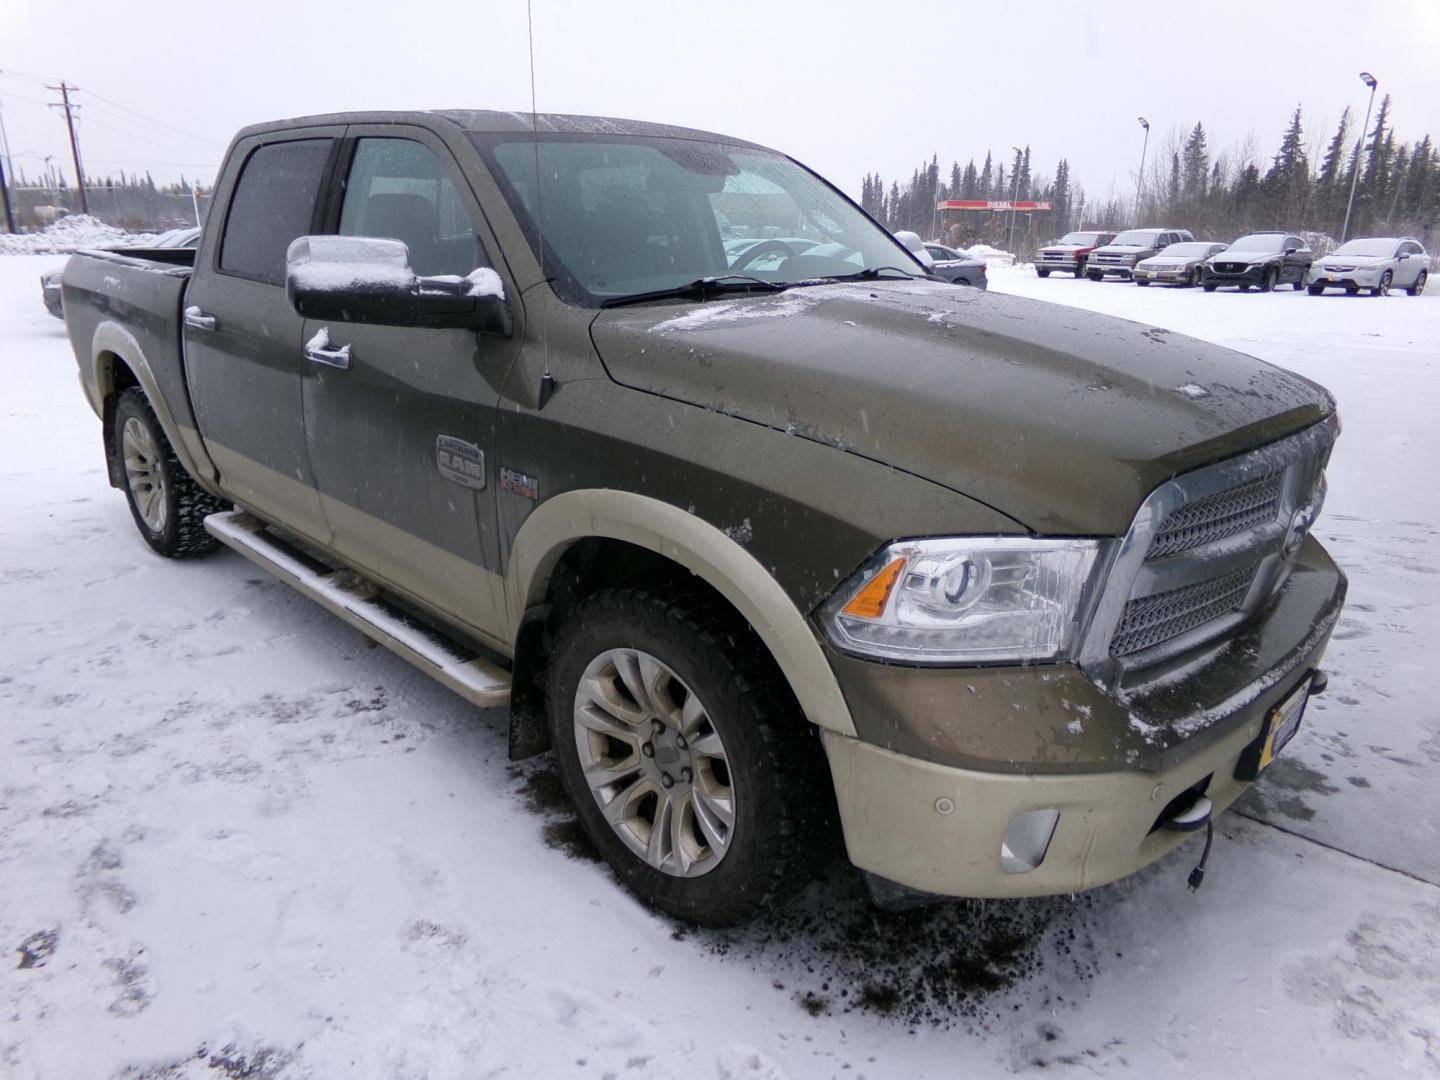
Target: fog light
1026 840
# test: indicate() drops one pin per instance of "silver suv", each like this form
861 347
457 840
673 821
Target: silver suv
1372 262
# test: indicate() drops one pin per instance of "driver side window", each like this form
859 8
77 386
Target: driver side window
398 190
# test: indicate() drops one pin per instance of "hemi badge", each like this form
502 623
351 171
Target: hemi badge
519 483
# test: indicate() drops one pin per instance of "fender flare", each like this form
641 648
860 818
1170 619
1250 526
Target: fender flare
112 340
701 548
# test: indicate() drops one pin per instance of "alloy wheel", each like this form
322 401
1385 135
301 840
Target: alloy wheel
143 474
654 762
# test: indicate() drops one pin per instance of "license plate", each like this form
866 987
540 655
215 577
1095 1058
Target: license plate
1284 722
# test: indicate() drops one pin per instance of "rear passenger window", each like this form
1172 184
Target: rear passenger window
273 202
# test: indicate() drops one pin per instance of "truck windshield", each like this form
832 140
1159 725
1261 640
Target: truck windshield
1079 238
1135 238
620 216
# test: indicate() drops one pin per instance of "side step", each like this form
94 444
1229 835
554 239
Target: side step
358 601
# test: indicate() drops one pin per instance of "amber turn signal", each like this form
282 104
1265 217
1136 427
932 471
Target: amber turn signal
869 602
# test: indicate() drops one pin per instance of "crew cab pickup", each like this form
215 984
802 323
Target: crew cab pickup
762 547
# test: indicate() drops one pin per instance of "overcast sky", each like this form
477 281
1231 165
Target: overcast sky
848 88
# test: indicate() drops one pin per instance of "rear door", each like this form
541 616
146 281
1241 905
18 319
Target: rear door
242 338
401 440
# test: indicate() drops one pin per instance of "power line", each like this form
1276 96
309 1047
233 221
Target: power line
157 123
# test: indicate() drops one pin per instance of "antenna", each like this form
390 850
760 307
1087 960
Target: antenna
547 381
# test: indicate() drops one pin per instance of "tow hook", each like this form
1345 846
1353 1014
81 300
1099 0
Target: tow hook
1199 815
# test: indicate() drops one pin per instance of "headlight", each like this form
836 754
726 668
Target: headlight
966 600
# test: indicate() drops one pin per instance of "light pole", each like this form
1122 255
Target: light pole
1370 81
1014 194
1140 179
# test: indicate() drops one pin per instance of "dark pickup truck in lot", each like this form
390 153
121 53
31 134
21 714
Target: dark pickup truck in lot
763 543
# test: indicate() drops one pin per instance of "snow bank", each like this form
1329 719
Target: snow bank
70 234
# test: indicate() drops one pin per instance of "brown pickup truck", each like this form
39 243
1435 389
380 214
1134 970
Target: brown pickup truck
763 539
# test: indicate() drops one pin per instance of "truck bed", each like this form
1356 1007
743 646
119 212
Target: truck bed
133 299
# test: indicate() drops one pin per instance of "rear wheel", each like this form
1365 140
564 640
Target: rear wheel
689 763
1194 278
169 508
1139 282
1352 290
1419 286
1383 289
1210 286
1244 286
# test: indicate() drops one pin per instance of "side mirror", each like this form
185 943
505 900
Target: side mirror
364 279
1291 251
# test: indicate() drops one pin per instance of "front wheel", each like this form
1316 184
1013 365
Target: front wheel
1270 280
1080 268
1194 278
1139 282
687 758
1209 286
1315 290
1419 286
169 508
1383 289
1096 277
1043 273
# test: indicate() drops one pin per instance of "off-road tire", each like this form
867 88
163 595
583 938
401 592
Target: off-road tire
784 805
181 533
1419 286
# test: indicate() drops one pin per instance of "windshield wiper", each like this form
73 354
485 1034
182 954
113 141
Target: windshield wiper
700 289
872 273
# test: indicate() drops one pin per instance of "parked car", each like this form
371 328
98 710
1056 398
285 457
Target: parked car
50 293
1375 263
957 267
1070 252
1178 264
826 546
1121 254
1262 259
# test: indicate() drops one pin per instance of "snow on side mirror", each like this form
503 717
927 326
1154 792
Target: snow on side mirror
366 279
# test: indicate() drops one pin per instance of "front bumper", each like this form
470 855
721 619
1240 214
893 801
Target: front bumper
1063 262
1121 269
1174 277
947 758
1253 274
1358 278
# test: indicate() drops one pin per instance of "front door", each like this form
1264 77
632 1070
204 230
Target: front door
401 439
243 339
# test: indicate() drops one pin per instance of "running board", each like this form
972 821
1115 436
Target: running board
357 600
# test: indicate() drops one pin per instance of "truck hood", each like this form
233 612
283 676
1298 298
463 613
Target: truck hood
1121 249
1060 418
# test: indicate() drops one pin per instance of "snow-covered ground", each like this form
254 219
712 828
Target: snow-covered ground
237 842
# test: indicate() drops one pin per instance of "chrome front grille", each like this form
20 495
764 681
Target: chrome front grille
1205 553
1217 516
1150 620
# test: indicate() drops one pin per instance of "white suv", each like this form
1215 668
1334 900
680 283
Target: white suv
1377 263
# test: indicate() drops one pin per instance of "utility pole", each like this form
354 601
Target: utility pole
64 103
1370 81
1014 194
5 198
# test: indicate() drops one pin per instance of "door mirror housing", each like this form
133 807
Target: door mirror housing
368 280
1291 251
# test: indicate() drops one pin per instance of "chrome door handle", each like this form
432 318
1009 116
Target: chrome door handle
198 319
330 357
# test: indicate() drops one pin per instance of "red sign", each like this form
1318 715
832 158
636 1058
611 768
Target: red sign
990 204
